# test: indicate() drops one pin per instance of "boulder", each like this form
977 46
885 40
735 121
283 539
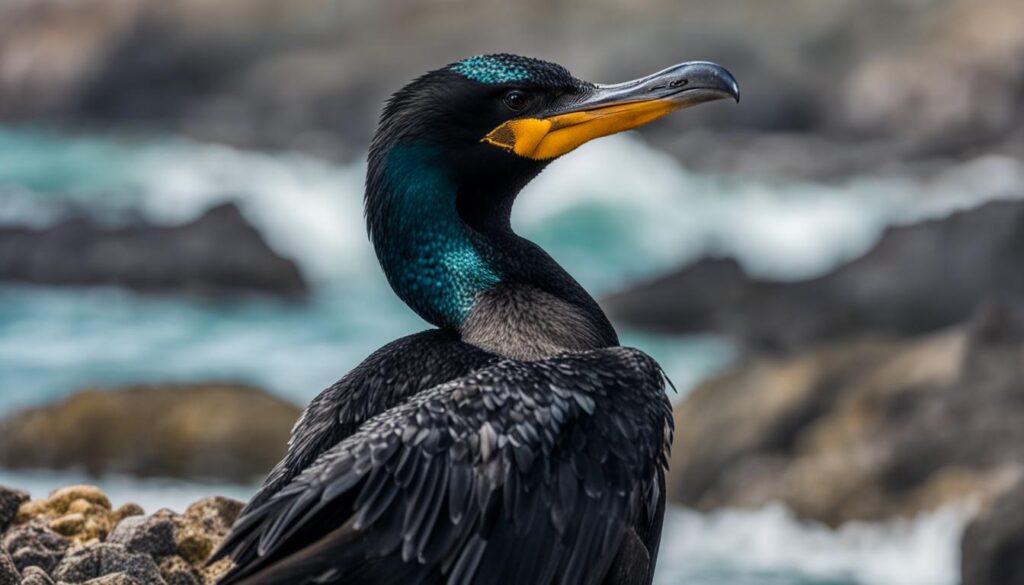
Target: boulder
220 252
861 430
107 564
216 430
918 278
33 544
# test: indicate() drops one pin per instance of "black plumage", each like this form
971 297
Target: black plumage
517 443
549 471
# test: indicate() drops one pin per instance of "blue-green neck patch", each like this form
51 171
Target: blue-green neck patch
429 256
491 69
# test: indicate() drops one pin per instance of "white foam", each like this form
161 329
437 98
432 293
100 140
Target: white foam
771 546
615 210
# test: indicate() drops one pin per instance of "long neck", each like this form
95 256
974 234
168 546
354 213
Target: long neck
446 245
434 262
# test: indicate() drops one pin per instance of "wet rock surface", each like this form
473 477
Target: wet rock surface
861 430
918 278
165 548
215 430
217 253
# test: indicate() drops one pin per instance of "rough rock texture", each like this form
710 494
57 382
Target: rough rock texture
111 562
861 430
10 501
217 253
222 431
992 550
35 576
917 278
80 513
8 572
163 549
33 544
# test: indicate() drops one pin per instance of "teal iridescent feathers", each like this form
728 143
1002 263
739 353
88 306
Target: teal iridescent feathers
503 68
434 266
490 69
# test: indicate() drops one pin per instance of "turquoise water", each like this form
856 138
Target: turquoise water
613 212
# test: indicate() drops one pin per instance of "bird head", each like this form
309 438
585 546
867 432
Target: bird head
455 146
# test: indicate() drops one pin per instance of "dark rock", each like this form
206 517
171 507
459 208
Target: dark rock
861 430
105 560
992 548
34 544
217 253
894 289
9 574
35 576
152 535
223 431
10 501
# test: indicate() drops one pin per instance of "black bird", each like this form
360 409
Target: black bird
517 443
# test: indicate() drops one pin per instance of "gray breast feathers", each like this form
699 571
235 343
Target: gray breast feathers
527 323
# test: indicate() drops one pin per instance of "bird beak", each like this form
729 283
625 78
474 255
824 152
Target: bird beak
607 109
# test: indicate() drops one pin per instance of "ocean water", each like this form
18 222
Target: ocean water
613 212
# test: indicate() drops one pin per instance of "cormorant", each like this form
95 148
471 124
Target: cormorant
518 442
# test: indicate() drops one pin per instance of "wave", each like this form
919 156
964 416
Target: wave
614 211
771 547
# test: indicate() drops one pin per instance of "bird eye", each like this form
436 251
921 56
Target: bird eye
516 100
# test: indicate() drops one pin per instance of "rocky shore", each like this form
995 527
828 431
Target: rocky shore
215 431
917 278
75 536
219 252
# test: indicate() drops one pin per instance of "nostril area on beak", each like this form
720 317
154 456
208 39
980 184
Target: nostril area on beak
678 83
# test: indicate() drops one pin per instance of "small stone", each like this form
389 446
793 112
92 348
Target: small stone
10 501
8 572
61 499
34 544
176 571
103 559
153 536
69 524
113 579
126 511
35 576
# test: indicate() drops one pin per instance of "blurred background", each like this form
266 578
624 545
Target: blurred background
831 272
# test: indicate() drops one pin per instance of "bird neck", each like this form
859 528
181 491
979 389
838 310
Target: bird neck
445 242
434 262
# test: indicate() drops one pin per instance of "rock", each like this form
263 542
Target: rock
969 256
108 560
9 574
10 501
221 431
81 513
152 535
203 525
35 576
957 84
34 544
861 430
992 544
113 579
177 571
218 253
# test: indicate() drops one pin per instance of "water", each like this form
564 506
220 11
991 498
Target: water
613 212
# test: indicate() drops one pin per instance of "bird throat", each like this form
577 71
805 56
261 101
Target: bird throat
433 261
